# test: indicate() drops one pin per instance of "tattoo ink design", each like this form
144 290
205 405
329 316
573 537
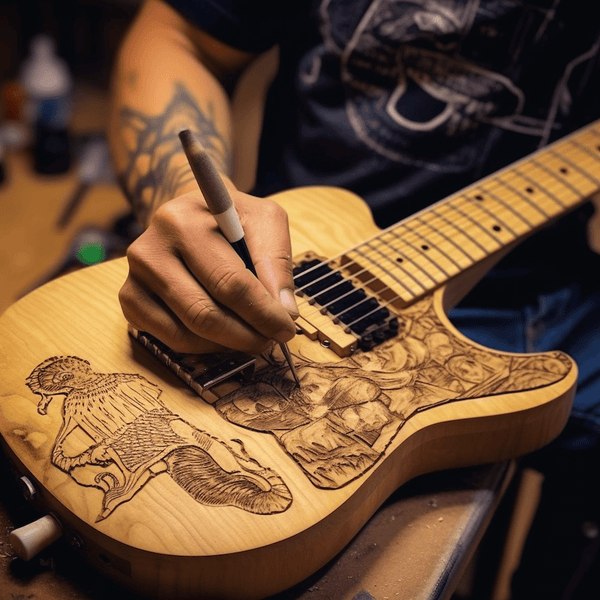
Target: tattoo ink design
346 414
156 164
135 437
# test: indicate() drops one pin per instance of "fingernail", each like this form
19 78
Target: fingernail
289 301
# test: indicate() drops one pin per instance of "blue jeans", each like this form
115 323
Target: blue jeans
561 557
567 320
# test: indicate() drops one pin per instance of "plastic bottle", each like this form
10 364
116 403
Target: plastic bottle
48 86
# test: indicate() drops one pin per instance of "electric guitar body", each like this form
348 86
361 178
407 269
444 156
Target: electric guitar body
216 477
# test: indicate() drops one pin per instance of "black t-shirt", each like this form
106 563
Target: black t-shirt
406 102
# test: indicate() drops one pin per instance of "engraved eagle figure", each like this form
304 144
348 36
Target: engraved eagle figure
136 437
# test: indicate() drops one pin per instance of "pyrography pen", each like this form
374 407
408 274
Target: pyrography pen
221 207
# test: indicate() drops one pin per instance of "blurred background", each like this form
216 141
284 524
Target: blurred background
60 207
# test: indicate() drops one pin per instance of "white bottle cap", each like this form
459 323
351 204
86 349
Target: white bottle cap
44 74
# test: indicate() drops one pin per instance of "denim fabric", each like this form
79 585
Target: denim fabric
561 557
567 320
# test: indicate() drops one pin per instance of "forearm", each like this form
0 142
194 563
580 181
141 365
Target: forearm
161 86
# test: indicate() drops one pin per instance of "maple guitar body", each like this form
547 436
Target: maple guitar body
252 487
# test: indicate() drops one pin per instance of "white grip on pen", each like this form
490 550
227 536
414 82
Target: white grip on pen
230 225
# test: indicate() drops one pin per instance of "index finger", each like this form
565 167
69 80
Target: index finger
224 276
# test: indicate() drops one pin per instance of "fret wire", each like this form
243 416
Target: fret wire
439 231
452 226
491 215
576 150
395 263
413 261
419 252
541 188
460 224
506 205
550 188
562 157
593 130
486 252
399 266
352 261
524 197
587 151
427 242
448 239
561 179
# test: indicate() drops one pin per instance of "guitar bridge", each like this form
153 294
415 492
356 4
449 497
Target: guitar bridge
201 372
338 309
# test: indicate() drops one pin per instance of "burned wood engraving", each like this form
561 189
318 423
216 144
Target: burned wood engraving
338 424
135 437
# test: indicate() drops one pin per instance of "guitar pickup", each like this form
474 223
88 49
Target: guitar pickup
201 372
338 310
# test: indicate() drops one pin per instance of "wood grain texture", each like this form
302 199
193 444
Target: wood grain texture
249 490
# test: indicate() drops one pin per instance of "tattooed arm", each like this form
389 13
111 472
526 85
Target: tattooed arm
186 285
167 78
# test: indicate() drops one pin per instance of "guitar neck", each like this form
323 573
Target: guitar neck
421 253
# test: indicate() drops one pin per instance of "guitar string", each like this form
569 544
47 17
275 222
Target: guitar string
480 205
557 178
462 230
545 190
574 166
593 130
486 192
366 299
586 150
574 145
386 255
424 246
385 270
452 226
534 185
392 229
399 266
566 183
393 232
447 239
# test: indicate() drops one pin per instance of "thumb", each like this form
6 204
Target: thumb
271 250
275 271
267 233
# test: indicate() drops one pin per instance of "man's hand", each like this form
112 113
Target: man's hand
189 288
